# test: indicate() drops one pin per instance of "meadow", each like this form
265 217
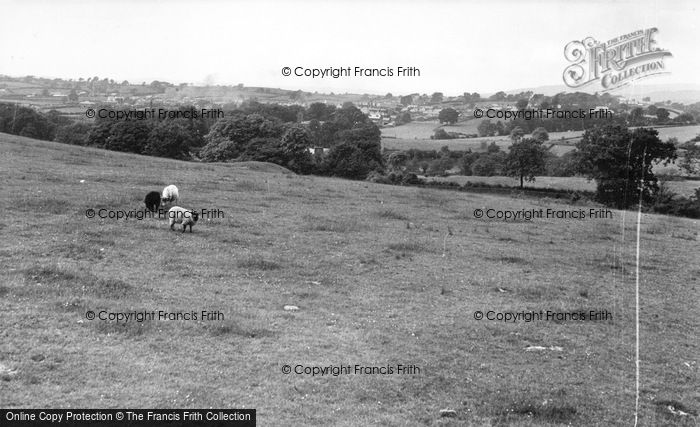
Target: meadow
416 135
684 188
381 275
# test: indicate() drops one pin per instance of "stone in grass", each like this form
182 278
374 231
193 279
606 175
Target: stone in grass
38 357
291 308
6 373
448 413
539 347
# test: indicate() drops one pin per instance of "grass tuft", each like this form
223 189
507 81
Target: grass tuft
391 214
335 225
509 259
112 288
406 247
549 412
257 262
230 327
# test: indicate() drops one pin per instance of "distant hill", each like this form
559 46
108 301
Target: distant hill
684 93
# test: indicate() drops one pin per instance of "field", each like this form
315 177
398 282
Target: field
682 133
413 130
381 276
416 135
684 188
474 144
424 130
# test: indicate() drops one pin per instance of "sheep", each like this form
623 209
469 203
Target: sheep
182 216
170 195
152 201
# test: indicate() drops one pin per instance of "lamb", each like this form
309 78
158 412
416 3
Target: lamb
170 195
152 201
182 216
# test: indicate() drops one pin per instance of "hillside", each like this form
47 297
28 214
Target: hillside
381 275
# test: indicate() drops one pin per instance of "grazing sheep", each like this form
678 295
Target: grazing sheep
152 201
178 215
170 195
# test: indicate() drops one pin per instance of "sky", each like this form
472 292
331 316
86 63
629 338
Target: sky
458 46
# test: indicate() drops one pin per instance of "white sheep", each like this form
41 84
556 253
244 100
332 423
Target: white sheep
178 215
169 195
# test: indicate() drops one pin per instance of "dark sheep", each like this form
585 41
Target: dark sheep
152 201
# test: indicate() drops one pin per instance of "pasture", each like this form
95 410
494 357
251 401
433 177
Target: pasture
382 275
425 129
417 136
412 130
474 144
684 187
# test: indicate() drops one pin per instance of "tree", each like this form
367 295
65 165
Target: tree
228 138
357 152
500 128
319 111
397 160
440 133
637 116
73 96
448 115
521 104
525 160
128 136
517 133
662 114
295 144
436 97
264 149
403 118
540 134
690 162
466 161
621 163
171 138
75 134
440 166
470 98
406 100
346 160
493 148
486 128
564 165
98 134
498 96
487 164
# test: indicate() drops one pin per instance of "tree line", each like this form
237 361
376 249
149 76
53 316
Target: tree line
252 131
618 159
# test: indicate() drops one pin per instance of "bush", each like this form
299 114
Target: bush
669 203
441 134
488 164
564 165
395 178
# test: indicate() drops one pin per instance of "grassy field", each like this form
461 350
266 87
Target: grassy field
417 136
684 188
682 133
381 275
413 130
424 130
474 144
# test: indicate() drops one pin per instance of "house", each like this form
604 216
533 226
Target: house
318 150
